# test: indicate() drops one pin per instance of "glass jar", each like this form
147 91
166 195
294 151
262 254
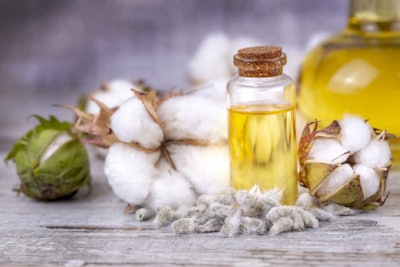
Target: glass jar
357 71
262 135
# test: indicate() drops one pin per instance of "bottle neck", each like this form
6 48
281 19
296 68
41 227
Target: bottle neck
374 17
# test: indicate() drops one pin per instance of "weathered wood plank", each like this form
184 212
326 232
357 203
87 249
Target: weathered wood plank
94 231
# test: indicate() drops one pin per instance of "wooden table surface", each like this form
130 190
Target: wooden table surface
94 231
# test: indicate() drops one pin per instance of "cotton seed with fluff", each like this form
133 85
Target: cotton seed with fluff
346 162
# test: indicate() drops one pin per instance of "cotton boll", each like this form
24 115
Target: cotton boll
194 117
120 86
210 60
369 179
339 183
355 133
328 150
121 89
206 167
215 90
132 123
376 154
130 172
115 92
170 188
337 178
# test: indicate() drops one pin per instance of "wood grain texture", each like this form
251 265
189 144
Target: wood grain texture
94 231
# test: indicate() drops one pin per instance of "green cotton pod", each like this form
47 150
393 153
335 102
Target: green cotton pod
55 174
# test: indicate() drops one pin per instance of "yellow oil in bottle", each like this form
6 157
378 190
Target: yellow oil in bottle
263 148
361 79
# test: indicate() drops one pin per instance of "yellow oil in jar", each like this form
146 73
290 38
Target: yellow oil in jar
361 79
263 148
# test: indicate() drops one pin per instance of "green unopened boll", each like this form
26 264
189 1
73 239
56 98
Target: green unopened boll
51 161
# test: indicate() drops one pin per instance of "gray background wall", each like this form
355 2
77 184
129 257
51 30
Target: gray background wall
51 51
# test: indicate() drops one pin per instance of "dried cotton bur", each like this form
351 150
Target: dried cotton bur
158 145
346 163
110 94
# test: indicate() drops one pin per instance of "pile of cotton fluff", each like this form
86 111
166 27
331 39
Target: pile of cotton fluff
244 212
345 163
168 151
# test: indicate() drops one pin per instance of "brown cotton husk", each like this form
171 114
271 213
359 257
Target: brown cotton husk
96 126
310 177
314 174
149 102
350 194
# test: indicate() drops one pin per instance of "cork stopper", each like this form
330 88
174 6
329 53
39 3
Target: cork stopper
260 61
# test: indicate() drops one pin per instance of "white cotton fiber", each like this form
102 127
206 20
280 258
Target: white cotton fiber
305 200
170 188
376 154
336 179
369 179
60 140
355 133
213 59
328 150
130 172
206 168
121 86
195 117
214 90
132 123
115 92
210 60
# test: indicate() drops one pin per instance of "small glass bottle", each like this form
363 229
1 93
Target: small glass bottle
262 135
357 71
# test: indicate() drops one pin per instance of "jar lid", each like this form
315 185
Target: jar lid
260 61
